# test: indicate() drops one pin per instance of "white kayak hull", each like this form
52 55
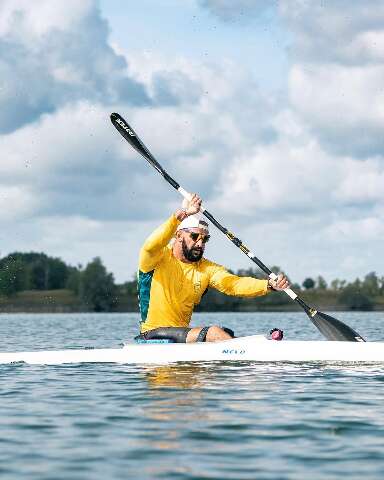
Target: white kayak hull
255 348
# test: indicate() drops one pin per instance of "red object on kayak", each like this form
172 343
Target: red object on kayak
276 334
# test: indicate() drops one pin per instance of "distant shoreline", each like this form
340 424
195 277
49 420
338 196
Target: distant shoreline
65 301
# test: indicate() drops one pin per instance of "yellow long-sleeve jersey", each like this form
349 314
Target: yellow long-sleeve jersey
169 288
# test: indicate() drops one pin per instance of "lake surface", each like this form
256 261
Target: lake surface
189 421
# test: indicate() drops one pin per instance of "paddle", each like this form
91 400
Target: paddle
330 327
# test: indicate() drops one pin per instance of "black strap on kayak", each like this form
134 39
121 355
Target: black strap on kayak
202 334
229 331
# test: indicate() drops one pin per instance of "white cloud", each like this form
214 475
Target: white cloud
342 105
54 54
16 203
335 81
286 177
362 181
337 31
355 231
45 16
74 161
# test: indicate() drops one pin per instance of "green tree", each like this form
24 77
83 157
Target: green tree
97 287
47 273
381 283
129 288
74 279
58 273
321 283
41 272
371 285
12 276
308 283
335 284
353 298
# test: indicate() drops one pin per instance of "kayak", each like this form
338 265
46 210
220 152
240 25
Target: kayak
255 348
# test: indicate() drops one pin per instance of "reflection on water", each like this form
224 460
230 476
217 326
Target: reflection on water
176 375
211 374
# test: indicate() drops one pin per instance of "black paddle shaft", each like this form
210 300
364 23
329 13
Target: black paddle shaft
330 327
129 134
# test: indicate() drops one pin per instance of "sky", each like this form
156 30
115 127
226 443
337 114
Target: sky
272 111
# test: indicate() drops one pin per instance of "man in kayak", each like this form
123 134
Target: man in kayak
172 278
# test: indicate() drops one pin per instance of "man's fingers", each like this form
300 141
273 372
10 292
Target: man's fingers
194 204
195 198
195 201
282 282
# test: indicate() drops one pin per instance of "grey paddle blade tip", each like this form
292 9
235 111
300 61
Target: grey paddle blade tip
335 330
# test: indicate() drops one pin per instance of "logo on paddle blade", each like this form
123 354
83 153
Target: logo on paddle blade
125 127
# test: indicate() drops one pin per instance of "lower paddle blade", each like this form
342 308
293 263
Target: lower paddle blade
334 329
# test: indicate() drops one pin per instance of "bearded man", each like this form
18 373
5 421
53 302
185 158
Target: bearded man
173 277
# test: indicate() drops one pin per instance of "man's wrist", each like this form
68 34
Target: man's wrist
181 214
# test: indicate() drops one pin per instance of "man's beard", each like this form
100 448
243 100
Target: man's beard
192 254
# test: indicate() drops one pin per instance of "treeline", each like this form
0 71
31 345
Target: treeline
93 285
93 288
366 294
357 295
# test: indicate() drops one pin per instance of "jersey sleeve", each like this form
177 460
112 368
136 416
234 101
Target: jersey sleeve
231 284
154 247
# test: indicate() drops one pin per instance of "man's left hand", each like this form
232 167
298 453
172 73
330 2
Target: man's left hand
281 283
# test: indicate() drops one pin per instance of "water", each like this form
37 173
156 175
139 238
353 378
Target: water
191 421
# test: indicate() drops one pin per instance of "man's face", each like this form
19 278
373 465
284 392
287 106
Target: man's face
193 243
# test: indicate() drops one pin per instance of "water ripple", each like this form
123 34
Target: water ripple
227 421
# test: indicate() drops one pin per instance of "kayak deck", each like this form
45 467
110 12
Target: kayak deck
255 348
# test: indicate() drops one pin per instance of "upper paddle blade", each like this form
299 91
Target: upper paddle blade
334 329
130 135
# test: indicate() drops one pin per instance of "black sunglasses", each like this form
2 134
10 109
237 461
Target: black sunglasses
196 236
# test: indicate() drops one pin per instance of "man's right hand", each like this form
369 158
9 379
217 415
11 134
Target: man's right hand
189 207
193 205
